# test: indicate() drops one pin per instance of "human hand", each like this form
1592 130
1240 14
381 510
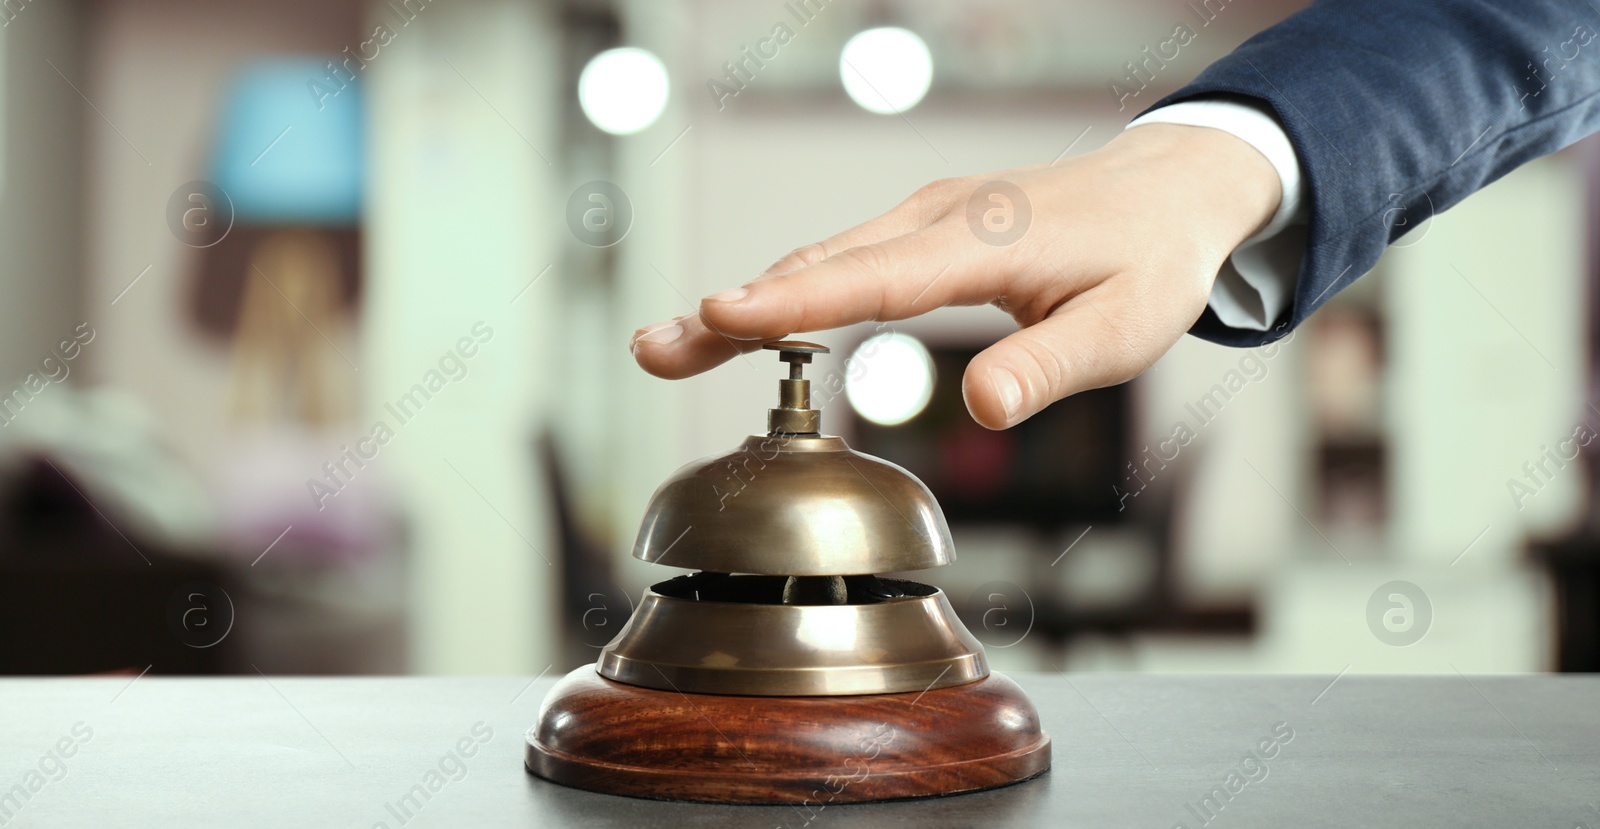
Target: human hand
1116 265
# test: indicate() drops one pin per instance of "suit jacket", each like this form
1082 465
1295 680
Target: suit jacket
1399 109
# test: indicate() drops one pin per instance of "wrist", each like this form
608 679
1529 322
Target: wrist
1222 183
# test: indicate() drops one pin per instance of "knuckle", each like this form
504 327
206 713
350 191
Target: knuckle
870 268
940 186
807 254
870 261
933 200
801 257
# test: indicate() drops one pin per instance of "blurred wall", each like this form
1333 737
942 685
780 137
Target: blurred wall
463 221
41 183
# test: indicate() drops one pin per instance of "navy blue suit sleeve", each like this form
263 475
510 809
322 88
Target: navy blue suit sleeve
1399 109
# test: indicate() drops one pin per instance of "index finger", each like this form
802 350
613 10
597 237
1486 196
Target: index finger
889 280
688 345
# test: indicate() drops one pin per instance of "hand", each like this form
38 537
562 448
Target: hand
1116 264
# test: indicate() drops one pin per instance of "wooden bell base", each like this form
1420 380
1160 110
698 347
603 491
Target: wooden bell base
608 737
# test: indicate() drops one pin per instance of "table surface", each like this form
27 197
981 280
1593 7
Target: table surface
1130 750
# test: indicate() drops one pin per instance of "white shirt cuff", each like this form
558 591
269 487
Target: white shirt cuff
1256 284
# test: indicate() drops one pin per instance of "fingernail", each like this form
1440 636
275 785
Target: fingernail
652 327
661 336
1009 390
733 295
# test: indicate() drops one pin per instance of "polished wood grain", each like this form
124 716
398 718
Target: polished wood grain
604 736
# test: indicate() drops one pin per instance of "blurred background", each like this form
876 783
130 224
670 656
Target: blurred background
314 315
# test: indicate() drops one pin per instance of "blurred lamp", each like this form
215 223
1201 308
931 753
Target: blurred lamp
890 379
886 70
623 90
289 148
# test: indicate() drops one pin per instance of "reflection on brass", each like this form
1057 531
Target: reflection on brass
795 506
910 642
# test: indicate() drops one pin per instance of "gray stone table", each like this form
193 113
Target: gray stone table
1148 751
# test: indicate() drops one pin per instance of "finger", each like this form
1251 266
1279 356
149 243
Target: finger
911 215
679 347
1101 337
893 279
685 346
675 349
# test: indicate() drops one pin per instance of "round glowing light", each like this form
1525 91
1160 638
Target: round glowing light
623 90
886 70
890 378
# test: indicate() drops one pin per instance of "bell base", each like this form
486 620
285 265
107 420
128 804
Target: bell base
605 736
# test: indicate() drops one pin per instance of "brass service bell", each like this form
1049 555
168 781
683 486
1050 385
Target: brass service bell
786 642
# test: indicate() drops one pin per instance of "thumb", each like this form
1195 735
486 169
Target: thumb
1077 348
